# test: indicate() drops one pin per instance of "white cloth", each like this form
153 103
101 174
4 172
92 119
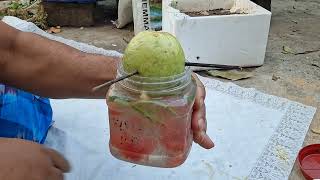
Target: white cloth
257 136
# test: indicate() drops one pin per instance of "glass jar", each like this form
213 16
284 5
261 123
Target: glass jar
150 119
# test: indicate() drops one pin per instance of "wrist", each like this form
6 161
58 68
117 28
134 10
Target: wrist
105 67
100 69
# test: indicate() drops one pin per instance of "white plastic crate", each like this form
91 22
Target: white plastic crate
237 39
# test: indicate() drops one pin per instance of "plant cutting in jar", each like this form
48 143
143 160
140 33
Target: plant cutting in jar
150 112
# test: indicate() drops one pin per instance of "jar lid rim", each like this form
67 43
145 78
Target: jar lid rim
151 80
155 85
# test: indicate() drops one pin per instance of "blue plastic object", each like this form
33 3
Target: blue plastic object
24 115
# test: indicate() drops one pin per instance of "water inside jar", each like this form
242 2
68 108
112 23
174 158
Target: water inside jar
150 120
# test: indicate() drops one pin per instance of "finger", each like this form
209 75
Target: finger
200 93
199 110
203 139
199 122
58 160
55 174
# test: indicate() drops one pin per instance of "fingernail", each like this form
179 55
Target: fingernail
209 143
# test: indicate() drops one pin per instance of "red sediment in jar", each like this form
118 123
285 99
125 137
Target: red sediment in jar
151 133
127 135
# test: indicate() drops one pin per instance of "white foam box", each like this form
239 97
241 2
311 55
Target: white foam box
237 39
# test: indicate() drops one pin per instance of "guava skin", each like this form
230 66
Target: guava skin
154 54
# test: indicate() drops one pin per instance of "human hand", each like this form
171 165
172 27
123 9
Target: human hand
30 161
199 122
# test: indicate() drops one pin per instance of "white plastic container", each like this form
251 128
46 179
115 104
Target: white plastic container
237 39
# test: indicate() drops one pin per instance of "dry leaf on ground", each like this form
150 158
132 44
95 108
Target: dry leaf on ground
275 78
308 52
287 50
233 75
54 30
315 131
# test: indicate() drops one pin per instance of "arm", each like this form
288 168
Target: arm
49 68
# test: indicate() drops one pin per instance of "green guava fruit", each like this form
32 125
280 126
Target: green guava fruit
154 54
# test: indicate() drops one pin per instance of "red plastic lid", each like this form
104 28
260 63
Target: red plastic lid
309 161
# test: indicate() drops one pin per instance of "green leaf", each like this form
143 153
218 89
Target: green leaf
233 75
146 114
120 100
149 109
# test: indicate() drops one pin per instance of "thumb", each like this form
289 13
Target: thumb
58 160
